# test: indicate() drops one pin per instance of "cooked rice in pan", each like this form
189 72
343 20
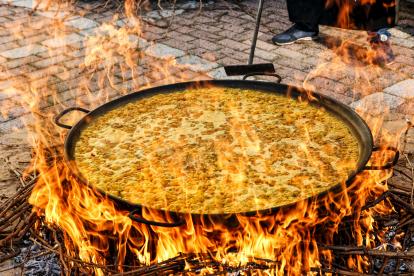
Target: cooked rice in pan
216 150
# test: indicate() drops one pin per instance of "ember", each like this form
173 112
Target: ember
365 225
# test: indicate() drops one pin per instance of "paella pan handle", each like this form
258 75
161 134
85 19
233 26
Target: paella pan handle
388 165
279 78
133 215
66 111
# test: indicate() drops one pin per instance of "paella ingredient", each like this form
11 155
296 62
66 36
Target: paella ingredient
216 150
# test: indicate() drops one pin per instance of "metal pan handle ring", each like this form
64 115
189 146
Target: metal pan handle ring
66 111
279 78
389 165
132 215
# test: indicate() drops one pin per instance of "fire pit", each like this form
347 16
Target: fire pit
347 116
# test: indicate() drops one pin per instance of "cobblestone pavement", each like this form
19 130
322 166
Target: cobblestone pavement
75 55
51 58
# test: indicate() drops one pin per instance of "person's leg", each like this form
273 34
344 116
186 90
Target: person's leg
305 15
377 18
380 43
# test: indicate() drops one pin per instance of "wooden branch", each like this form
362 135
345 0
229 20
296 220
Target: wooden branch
337 271
375 202
349 250
384 264
407 206
12 255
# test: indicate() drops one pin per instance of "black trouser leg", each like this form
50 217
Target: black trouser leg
373 17
306 13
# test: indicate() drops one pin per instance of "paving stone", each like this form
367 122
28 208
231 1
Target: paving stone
45 72
52 52
205 44
8 74
210 56
213 37
287 62
289 53
42 83
207 28
53 14
4 11
183 29
155 30
396 125
196 64
405 42
152 36
68 74
406 69
233 54
405 59
377 103
204 19
76 45
121 22
14 63
81 23
235 36
234 28
266 55
337 96
76 53
73 63
233 44
179 36
386 79
42 5
403 89
265 37
11 125
8 46
262 45
23 3
140 42
62 41
7 38
197 51
7 90
179 44
407 108
160 14
49 61
89 32
163 51
24 51
395 32
219 74
32 39
228 61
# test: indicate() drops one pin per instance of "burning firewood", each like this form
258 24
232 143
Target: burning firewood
56 224
21 223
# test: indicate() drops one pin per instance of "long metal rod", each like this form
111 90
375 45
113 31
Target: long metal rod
256 32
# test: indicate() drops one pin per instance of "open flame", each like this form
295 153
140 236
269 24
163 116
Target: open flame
97 231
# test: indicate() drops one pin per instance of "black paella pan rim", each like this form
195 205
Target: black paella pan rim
357 125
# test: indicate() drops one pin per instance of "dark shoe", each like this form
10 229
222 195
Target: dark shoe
381 47
292 35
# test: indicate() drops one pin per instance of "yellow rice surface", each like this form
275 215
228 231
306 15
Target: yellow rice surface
216 150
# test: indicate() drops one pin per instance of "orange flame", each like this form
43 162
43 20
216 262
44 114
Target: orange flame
97 230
